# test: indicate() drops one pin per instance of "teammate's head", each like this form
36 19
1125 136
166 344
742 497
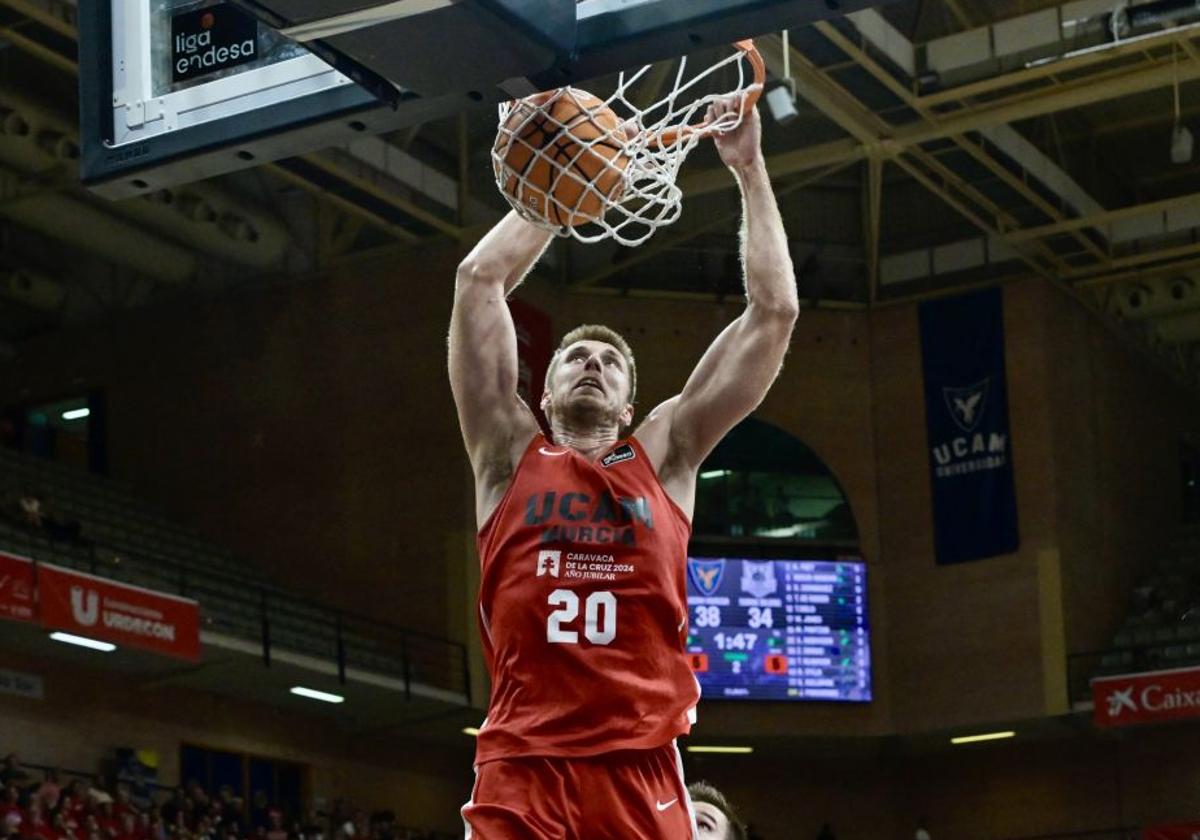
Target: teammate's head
592 372
715 817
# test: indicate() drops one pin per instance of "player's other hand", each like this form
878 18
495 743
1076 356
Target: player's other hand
742 146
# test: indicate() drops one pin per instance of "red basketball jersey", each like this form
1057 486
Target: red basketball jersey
583 607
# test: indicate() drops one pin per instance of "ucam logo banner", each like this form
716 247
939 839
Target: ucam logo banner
1146 698
119 613
966 419
17 601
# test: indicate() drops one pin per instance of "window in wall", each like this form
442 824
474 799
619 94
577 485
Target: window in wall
69 431
270 782
761 482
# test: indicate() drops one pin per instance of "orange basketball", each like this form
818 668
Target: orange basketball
567 146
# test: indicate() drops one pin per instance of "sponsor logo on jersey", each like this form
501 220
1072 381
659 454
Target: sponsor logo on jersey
758 579
548 563
624 452
576 517
706 574
596 566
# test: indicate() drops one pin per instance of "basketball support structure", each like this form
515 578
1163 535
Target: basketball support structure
390 65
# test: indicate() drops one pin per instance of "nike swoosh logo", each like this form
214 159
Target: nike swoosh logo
662 806
546 451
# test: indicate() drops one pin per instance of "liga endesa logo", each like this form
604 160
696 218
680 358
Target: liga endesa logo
1163 695
211 39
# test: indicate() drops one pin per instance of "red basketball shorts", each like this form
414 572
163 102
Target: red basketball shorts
625 795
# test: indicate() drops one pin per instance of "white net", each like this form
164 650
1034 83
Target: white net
595 169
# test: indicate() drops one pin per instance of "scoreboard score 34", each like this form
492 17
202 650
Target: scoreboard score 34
779 629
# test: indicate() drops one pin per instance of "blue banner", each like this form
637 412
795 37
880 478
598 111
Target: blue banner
966 417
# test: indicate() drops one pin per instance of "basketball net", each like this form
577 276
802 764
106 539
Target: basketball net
655 140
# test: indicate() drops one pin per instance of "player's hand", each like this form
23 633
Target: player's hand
742 146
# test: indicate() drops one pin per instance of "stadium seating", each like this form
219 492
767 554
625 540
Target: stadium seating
1162 627
123 537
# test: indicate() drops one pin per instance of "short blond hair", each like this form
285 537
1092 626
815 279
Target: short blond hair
596 332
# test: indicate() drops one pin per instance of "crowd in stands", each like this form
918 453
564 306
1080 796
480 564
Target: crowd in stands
42 804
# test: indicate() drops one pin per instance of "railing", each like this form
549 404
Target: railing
247 608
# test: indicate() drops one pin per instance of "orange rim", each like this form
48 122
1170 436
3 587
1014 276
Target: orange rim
749 99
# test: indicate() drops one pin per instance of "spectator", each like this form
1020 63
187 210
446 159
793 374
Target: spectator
10 810
826 833
30 508
276 831
229 802
76 795
64 828
922 833
13 773
197 800
38 828
127 827
122 805
172 808
49 791
260 809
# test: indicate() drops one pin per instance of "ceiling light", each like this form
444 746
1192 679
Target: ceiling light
1181 145
470 730
83 641
313 694
722 750
781 101
76 413
987 736
714 473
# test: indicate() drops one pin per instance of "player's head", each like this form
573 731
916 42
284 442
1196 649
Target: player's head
593 376
715 817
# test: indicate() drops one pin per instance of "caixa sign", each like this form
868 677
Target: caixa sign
210 39
1147 698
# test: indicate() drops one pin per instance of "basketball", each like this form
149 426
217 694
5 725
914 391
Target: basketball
561 156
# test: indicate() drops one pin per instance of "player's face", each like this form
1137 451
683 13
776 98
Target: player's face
713 824
591 377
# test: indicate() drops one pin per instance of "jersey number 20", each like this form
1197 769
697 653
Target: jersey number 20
599 619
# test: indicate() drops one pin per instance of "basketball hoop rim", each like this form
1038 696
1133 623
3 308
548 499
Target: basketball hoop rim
750 97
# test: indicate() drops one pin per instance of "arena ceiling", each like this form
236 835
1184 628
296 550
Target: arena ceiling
937 146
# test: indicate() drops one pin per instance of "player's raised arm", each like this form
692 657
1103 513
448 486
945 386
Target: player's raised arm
483 348
736 371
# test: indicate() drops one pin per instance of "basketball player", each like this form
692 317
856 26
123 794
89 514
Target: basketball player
583 537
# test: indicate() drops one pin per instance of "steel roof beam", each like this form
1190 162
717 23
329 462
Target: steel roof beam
972 148
857 119
1088 90
1100 219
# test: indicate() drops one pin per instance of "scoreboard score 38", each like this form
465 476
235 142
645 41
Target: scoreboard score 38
779 629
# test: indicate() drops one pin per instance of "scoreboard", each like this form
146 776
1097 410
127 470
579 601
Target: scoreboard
779 629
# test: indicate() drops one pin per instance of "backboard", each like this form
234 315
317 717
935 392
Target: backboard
174 91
